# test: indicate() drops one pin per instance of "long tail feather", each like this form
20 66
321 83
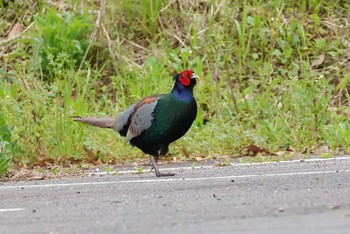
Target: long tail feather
101 122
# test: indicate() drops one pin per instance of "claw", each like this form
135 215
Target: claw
164 174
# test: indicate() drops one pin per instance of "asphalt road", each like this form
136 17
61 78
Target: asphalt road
312 196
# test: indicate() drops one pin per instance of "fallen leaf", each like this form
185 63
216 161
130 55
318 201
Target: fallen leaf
16 31
291 149
43 162
198 159
321 149
317 62
253 150
27 175
334 206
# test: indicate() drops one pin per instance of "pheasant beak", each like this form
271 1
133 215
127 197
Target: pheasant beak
194 76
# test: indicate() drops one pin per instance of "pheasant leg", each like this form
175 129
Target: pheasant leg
156 170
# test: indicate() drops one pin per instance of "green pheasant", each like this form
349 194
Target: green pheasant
157 120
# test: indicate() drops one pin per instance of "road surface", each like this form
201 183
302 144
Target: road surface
310 196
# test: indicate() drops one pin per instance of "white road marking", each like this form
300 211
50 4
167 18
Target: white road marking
147 170
232 164
13 209
175 179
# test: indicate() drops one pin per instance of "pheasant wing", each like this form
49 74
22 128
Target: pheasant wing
142 116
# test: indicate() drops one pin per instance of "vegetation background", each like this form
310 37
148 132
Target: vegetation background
274 76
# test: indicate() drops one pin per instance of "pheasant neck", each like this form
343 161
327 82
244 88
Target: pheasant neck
182 93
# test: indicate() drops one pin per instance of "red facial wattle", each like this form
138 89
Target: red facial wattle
185 81
185 77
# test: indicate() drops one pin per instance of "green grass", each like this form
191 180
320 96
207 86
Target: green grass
274 74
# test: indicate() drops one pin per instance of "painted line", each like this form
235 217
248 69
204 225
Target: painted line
232 164
147 171
175 179
13 209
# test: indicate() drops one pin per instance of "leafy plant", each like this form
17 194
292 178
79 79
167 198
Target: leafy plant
7 147
5 163
139 170
108 170
61 42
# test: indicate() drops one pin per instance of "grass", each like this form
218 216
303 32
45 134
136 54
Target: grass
139 170
274 74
